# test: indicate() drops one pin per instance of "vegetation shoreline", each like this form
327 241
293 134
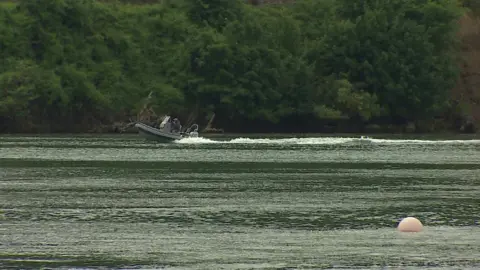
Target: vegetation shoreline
380 131
77 66
271 136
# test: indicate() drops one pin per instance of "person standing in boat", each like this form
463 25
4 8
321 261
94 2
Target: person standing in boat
176 127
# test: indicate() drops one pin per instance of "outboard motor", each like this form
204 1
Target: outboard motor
193 133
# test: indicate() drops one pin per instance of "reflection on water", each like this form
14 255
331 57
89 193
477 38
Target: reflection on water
240 204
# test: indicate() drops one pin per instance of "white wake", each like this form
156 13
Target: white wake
320 141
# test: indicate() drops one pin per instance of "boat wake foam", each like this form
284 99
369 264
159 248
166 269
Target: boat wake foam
321 141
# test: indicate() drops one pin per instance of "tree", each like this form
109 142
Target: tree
215 13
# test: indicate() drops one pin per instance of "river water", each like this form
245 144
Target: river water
287 203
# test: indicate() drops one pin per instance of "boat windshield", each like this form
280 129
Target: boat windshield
165 120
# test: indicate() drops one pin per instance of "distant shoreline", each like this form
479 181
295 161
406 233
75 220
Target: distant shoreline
98 66
227 135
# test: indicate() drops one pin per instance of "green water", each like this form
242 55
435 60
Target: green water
306 203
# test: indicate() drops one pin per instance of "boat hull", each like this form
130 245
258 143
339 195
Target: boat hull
156 134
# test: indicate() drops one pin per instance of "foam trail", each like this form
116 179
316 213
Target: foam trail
321 141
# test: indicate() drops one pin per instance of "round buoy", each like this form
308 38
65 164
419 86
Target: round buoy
410 224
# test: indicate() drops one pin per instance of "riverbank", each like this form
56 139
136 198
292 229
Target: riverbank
271 135
316 128
89 66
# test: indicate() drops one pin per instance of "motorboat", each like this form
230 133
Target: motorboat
168 131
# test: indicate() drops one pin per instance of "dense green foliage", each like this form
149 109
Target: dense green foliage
72 64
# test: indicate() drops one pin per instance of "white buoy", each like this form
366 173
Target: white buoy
410 224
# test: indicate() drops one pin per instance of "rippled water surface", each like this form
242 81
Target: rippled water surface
285 203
